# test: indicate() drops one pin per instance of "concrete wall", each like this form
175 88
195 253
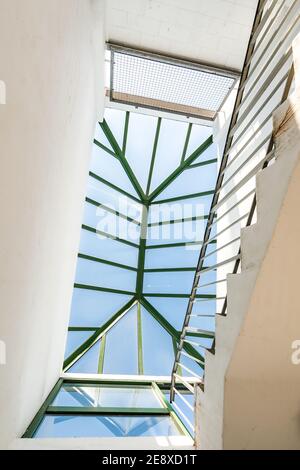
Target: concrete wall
262 387
52 65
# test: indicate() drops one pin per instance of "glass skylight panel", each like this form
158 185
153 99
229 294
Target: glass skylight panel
158 347
92 308
172 257
116 295
75 339
169 151
99 274
106 426
159 82
88 362
168 282
139 148
105 248
200 177
104 395
110 169
121 354
173 309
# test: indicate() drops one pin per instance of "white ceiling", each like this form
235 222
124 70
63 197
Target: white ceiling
213 31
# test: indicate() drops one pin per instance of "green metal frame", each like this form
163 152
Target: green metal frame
47 408
145 199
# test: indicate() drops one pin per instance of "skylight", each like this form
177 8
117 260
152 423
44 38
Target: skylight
149 190
157 82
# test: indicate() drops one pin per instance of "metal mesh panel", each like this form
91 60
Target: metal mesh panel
146 81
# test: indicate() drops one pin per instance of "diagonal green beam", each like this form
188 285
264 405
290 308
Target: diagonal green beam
86 345
142 253
115 146
125 135
109 235
153 156
169 328
185 164
108 262
113 186
140 340
183 197
186 143
111 211
106 149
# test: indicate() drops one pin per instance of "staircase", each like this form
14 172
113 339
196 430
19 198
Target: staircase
251 396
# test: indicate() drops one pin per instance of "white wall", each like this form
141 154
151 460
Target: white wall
52 55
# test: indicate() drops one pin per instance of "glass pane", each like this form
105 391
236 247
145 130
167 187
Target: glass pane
106 396
109 168
93 308
158 349
179 209
209 154
75 339
116 121
104 221
179 232
169 150
88 363
172 309
198 135
105 248
194 180
101 137
121 346
140 141
112 198
168 282
177 257
93 273
106 426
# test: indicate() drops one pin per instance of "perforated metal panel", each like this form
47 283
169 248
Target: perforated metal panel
157 82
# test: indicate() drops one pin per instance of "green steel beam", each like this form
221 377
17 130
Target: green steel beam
140 340
206 162
86 345
103 289
83 328
106 149
125 136
183 197
99 410
115 146
171 410
153 156
169 270
112 211
105 261
142 252
29 433
113 186
179 296
186 143
169 328
180 168
101 355
172 245
177 221
109 235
